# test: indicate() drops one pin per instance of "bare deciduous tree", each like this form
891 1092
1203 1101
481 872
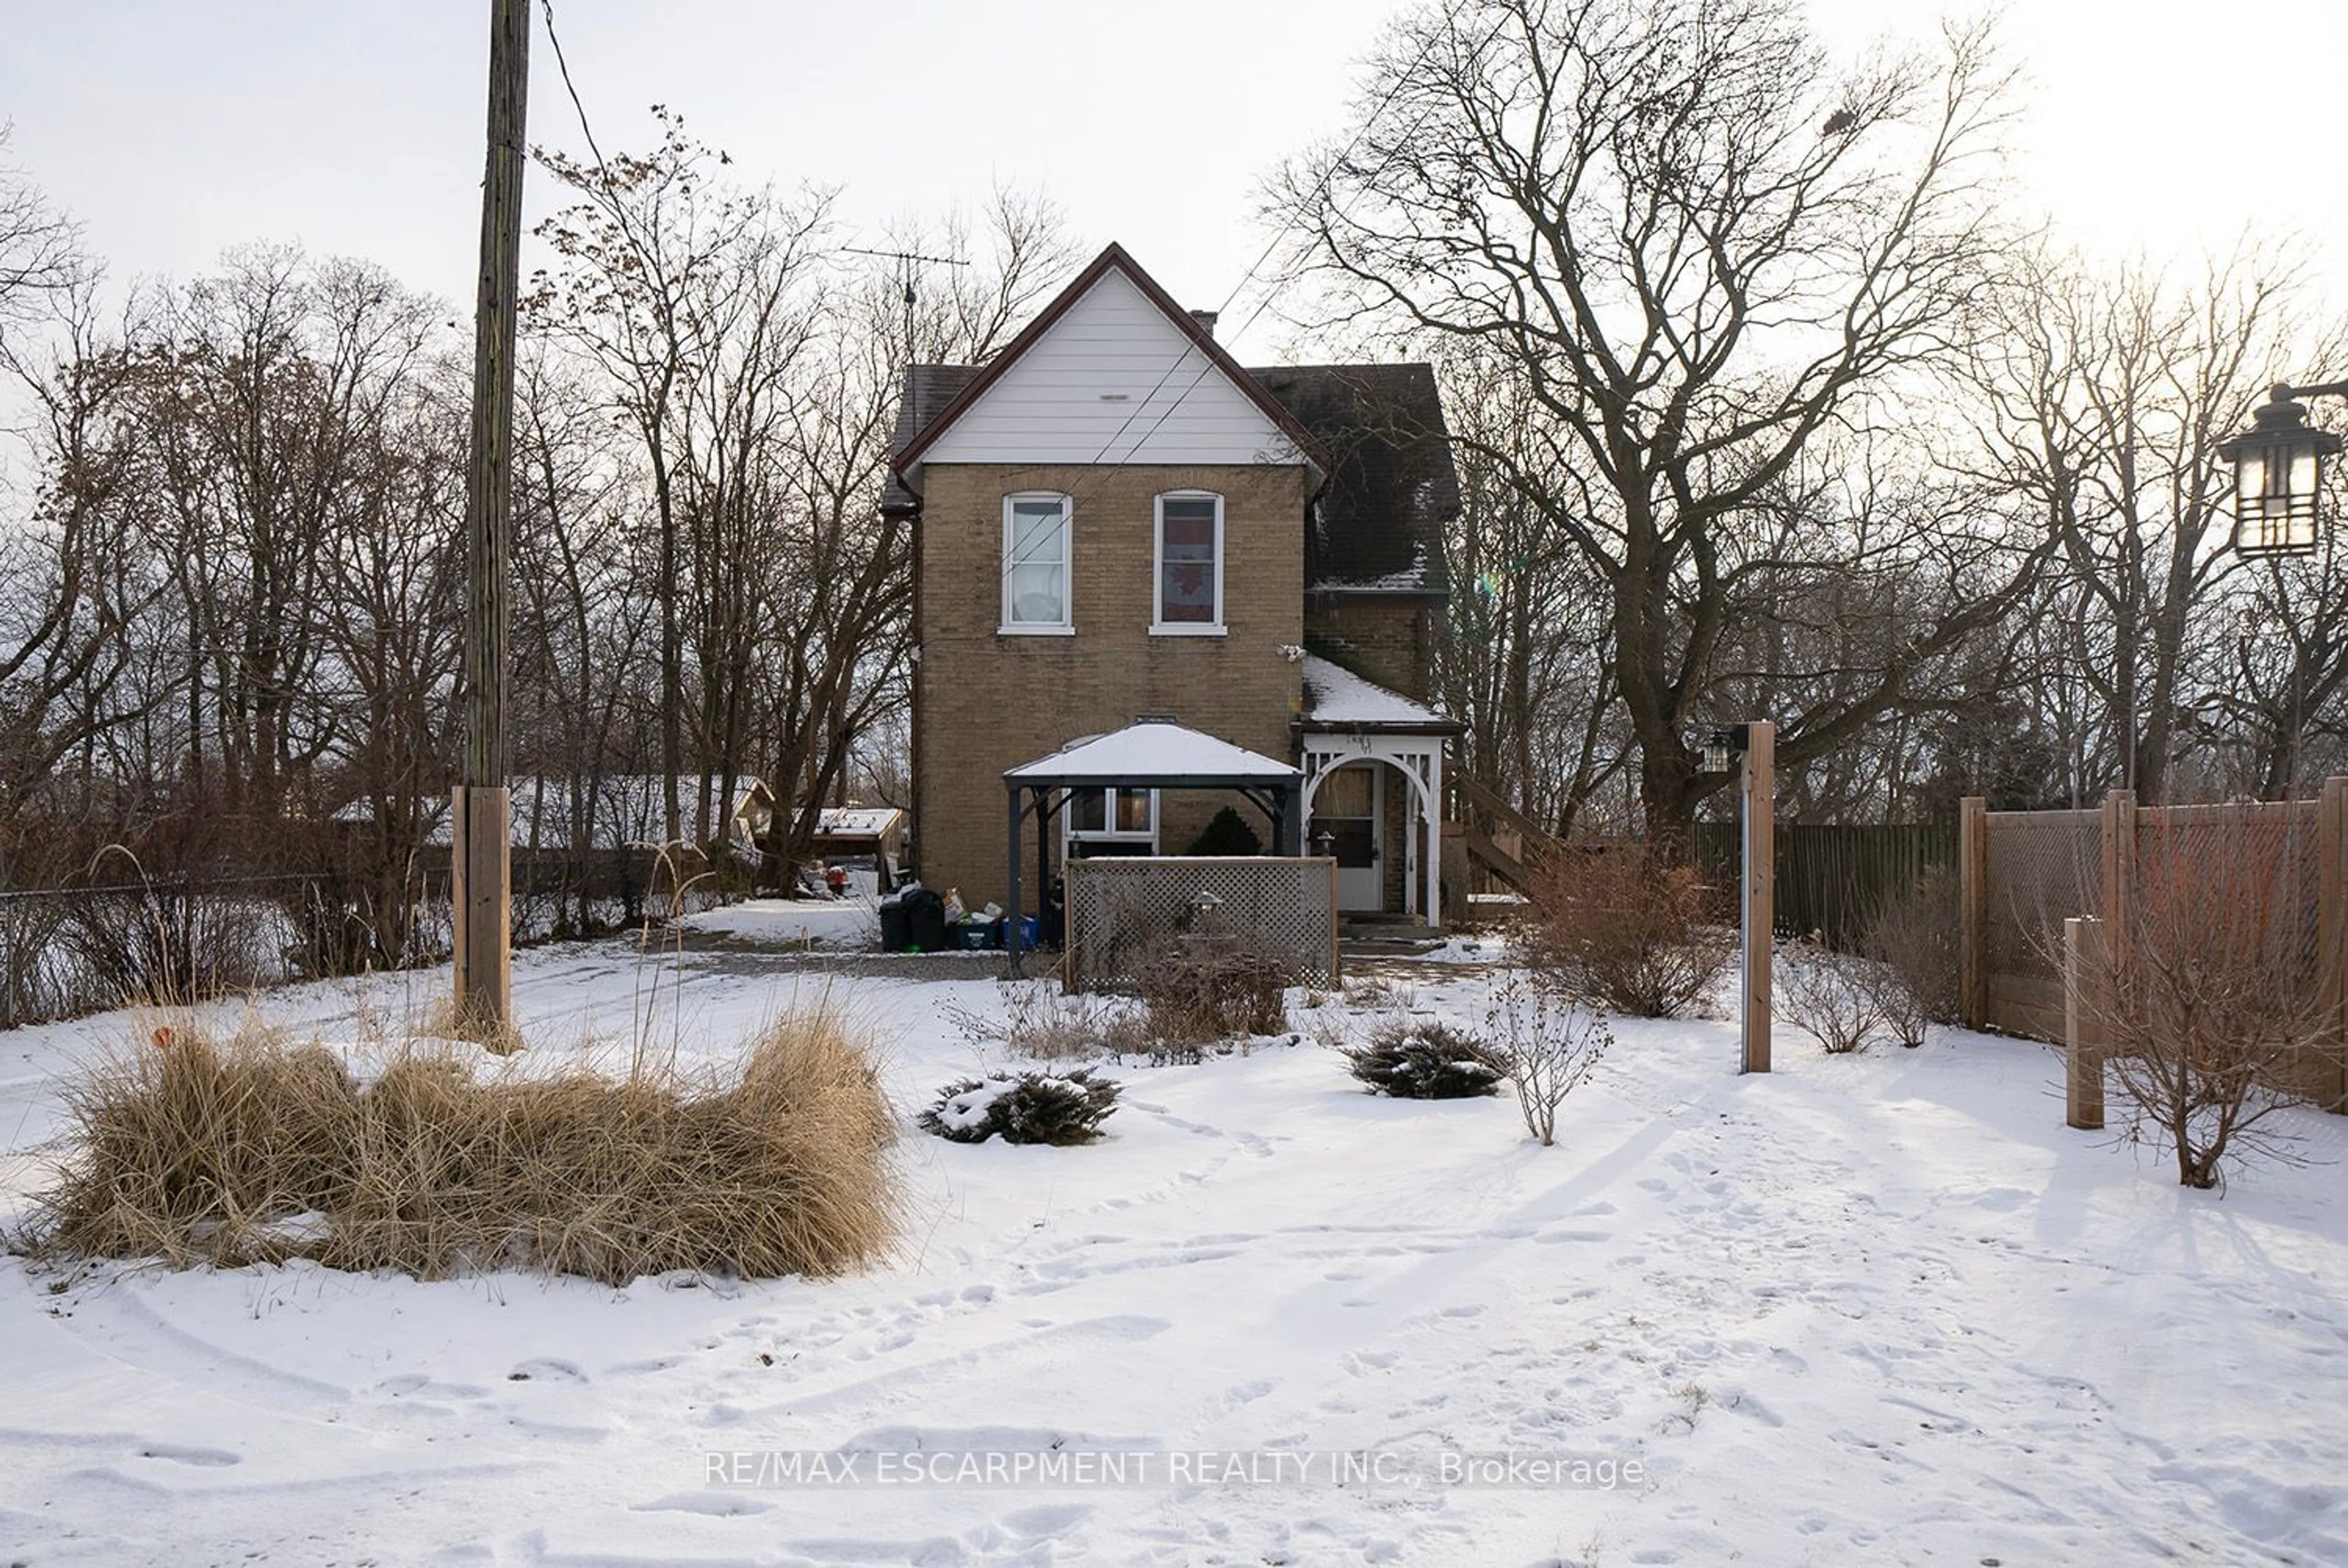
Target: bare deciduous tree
1699 247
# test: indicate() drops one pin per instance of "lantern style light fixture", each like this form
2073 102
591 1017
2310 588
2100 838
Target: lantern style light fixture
1720 750
2278 473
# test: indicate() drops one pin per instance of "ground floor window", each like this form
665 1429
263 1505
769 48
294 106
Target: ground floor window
1110 821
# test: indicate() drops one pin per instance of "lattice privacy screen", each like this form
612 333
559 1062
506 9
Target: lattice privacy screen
1122 908
2043 867
2249 871
2246 877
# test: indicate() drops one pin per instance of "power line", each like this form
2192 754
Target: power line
1402 79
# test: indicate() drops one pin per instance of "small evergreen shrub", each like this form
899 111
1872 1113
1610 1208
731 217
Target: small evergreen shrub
1414 1059
1226 832
1023 1108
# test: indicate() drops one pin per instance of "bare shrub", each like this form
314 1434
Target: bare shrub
1902 1012
1914 938
36 982
197 1152
2206 1001
1199 993
1379 993
1552 1043
169 942
1042 1022
1621 926
1418 1059
1834 998
1055 1108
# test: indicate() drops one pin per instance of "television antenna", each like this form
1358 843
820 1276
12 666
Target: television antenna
906 260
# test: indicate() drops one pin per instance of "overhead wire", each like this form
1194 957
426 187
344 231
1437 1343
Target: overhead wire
1402 79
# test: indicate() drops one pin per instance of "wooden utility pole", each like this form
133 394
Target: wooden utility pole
480 894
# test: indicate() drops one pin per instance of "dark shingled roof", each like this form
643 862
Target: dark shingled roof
1377 526
928 389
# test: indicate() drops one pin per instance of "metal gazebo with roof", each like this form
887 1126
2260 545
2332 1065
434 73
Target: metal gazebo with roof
1151 755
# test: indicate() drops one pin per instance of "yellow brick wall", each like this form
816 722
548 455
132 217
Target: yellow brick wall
1383 640
987 702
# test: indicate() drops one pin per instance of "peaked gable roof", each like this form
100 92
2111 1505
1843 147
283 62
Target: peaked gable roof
1114 257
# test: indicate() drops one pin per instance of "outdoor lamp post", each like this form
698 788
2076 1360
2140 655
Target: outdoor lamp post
2278 473
1749 751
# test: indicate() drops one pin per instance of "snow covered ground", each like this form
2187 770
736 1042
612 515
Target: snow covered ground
851 922
1878 1309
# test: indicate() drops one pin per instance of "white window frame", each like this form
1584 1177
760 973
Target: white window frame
1109 832
1159 625
1067 625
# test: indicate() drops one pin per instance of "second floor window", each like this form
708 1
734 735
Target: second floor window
1035 563
1189 563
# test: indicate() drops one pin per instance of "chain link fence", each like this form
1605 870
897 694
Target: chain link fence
92 944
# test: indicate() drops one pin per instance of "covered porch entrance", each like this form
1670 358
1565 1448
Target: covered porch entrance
1374 792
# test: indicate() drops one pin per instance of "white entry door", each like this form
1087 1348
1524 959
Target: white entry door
1346 808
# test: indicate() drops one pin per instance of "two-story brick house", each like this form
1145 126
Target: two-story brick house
1116 522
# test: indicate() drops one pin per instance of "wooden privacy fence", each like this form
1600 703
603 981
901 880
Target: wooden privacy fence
1121 909
2281 863
1832 878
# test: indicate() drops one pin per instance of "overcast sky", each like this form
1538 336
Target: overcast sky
175 129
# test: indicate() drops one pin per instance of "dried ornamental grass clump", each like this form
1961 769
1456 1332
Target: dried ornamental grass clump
230 1153
193 1147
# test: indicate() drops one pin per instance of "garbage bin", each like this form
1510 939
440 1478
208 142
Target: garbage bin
896 928
925 919
976 936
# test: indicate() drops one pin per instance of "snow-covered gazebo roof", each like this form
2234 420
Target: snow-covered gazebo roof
1155 753
1337 699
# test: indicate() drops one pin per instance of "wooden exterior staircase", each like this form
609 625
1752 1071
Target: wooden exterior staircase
1476 808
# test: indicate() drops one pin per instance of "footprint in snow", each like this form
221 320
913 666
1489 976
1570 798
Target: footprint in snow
717 1504
546 1370
180 1453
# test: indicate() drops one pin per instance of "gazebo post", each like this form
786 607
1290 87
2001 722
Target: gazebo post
1291 819
1011 894
1040 800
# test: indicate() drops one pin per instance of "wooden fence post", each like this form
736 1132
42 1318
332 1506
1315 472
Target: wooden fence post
2119 870
1972 887
2084 1001
2332 926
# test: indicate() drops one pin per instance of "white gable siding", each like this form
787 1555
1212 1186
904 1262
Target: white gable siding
1059 403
